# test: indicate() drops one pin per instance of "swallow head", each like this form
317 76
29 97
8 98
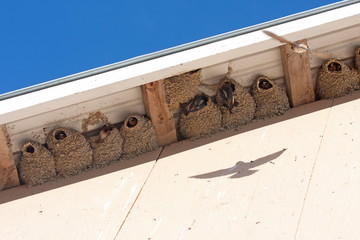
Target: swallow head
265 84
227 95
194 105
131 122
334 67
104 132
60 135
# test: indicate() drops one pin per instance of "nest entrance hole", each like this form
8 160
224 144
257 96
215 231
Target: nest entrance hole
60 135
265 84
131 122
334 67
229 84
30 149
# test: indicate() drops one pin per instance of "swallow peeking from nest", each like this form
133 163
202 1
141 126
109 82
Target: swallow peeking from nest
336 79
236 104
139 136
200 117
132 121
104 132
265 84
194 105
334 67
71 149
60 135
227 95
107 147
270 99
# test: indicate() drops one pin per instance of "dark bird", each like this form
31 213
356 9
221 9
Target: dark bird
298 47
227 95
60 135
264 84
104 132
194 105
334 67
132 122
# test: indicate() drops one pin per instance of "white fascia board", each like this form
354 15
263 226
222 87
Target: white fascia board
110 82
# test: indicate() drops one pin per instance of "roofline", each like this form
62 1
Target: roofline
175 49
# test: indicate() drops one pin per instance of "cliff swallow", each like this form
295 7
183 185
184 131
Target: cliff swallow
227 95
298 47
196 104
264 84
334 67
104 132
132 122
60 135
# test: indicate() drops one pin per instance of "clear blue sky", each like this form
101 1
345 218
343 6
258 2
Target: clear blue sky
48 39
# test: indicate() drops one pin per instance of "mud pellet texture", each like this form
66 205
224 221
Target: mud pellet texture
243 109
107 147
138 135
71 150
201 123
37 164
332 83
357 58
270 99
181 88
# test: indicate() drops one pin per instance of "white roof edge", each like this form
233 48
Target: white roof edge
175 49
137 71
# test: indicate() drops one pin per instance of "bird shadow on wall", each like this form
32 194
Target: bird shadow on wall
241 169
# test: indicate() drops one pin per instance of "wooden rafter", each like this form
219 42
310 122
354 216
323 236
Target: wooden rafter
8 173
297 73
156 108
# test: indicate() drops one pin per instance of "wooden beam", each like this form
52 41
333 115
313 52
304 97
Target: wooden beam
8 173
156 108
298 81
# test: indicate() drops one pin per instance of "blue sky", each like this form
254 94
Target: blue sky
45 40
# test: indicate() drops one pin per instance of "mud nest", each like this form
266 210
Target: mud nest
335 79
236 104
37 164
270 99
357 58
200 117
107 147
71 150
139 136
181 88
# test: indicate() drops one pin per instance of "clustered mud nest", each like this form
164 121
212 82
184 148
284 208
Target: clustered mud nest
336 79
69 152
236 104
181 88
270 99
139 136
199 117
230 107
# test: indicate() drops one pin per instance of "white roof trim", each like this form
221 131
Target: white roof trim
117 80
